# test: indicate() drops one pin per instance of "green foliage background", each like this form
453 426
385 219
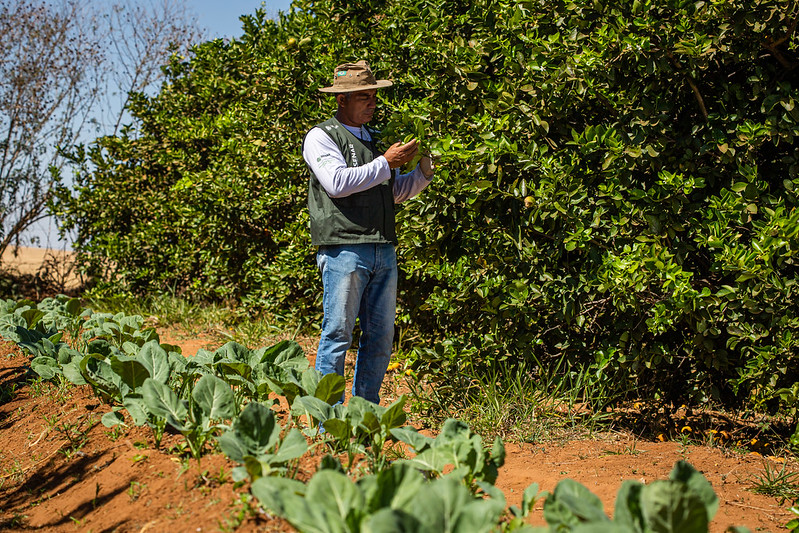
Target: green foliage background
616 186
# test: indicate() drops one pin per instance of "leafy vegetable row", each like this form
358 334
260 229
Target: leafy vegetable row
227 395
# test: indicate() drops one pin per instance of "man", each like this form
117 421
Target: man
352 192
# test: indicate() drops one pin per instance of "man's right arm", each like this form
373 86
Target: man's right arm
328 165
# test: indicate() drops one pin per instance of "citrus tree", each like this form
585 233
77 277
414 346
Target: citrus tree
615 194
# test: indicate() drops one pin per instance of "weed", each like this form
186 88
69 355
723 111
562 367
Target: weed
522 404
75 433
63 390
779 484
243 510
13 473
38 388
16 521
7 392
220 478
139 457
135 490
630 449
116 432
96 495
51 420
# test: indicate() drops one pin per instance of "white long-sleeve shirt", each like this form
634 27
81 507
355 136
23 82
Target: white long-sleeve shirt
339 180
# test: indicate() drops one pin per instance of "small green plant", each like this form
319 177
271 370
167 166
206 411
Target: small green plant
135 490
211 401
7 392
455 446
254 442
139 458
778 483
75 434
245 507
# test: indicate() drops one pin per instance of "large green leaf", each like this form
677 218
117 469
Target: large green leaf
698 484
163 402
254 431
411 436
155 360
283 353
670 507
394 416
393 487
215 398
446 505
232 352
330 389
293 446
338 496
628 506
317 409
571 503
130 370
46 367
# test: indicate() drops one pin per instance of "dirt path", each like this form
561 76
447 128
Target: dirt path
61 470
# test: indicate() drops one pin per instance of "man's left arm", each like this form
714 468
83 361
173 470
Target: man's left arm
408 185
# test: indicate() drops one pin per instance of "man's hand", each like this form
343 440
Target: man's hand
399 154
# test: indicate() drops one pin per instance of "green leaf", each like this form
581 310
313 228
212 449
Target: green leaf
697 483
339 429
73 373
215 398
112 418
669 507
446 505
130 370
257 428
628 505
330 388
293 446
155 360
163 402
137 410
571 503
394 416
412 437
317 409
393 487
232 352
46 367
335 493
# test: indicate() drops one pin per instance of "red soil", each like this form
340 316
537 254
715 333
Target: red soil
54 479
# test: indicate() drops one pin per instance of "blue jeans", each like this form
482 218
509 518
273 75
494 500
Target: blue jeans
360 281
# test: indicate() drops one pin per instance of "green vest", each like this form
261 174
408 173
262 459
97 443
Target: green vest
363 217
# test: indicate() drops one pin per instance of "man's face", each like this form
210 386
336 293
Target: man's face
356 109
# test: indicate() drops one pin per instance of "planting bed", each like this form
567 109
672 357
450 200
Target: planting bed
62 470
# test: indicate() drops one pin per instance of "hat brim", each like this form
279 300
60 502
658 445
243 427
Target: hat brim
381 84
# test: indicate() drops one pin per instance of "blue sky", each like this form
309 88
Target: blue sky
221 18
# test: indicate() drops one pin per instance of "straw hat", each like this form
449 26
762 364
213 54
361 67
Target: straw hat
352 77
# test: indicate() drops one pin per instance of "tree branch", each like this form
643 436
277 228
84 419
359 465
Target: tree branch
691 83
772 46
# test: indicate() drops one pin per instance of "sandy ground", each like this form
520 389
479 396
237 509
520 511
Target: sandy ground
54 266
